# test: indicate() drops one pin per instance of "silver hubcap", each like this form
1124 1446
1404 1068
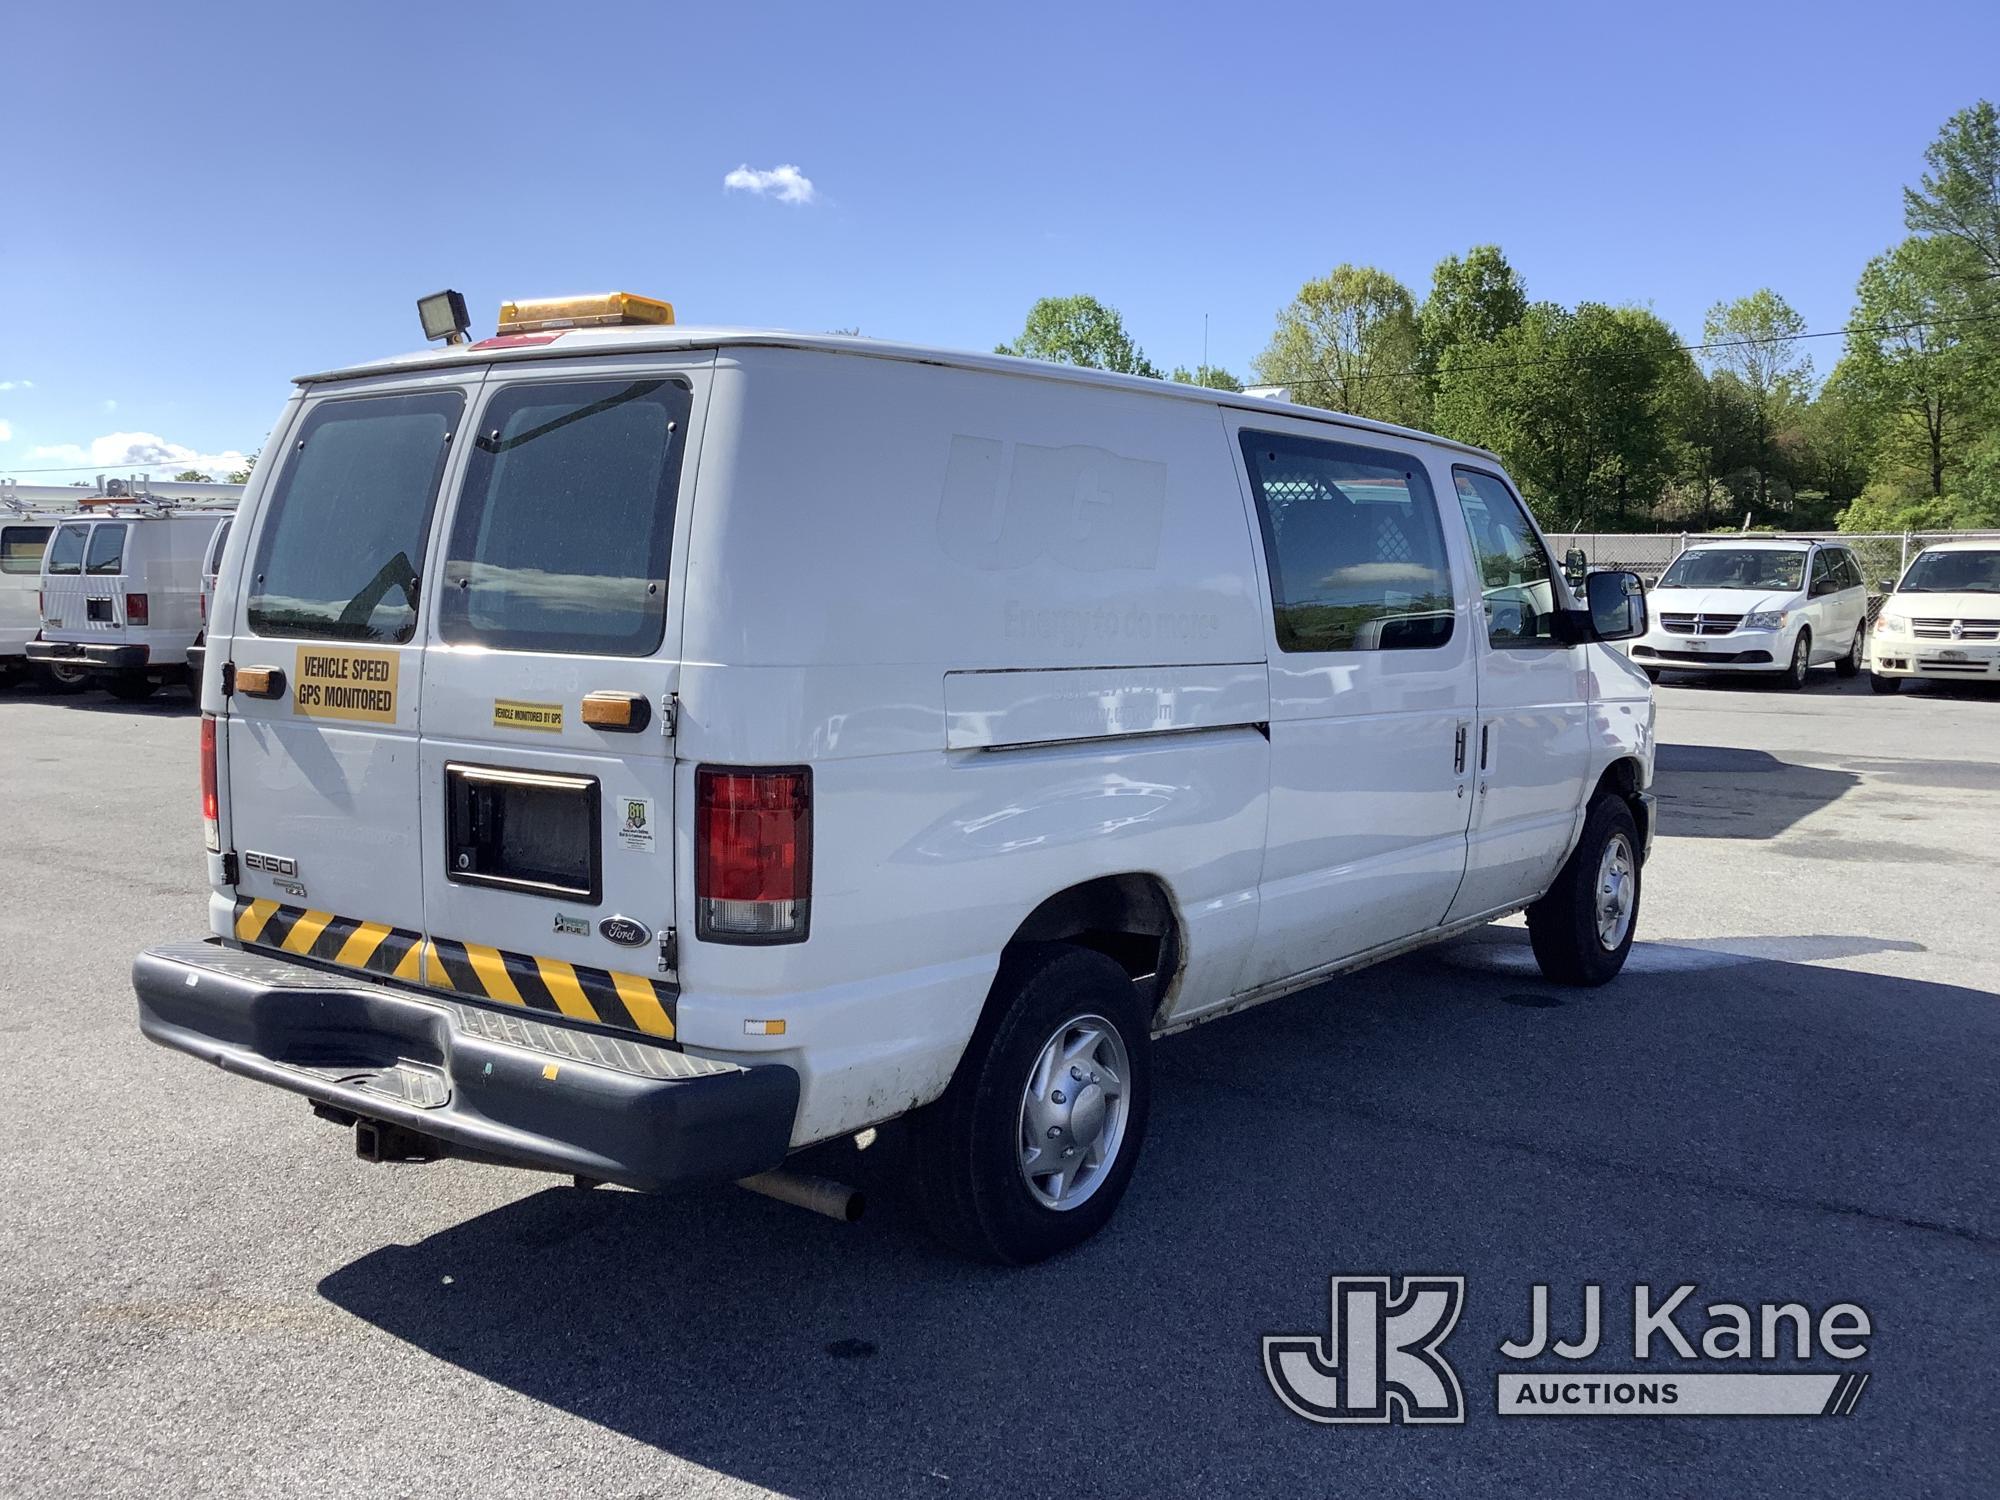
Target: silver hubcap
1073 1112
1617 892
1799 658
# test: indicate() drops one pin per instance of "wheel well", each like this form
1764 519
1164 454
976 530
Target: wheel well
1129 918
1621 779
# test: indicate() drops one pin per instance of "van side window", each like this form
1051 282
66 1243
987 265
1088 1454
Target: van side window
1824 580
215 546
1353 544
1516 578
66 552
342 549
21 548
107 549
561 538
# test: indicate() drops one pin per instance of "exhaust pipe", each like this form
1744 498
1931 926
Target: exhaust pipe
823 1196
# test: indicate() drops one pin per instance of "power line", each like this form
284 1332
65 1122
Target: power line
1551 359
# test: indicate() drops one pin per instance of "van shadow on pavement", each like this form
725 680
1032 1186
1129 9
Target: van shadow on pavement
1709 791
1777 1131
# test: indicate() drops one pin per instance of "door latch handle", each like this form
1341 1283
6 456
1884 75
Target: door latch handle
626 712
1485 741
258 682
1458 751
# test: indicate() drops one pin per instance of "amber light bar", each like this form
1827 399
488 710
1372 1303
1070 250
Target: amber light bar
602 310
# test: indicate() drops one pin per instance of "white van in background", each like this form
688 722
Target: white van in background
211 564
1943 619
120 591
24 537
642 752
1774 606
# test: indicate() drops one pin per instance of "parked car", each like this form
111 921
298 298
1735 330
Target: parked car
1778 607
1942 620
775 735
24 537
120 592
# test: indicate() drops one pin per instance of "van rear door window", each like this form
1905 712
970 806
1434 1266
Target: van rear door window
1353 543
66 552
341 552
107 549
21 548
562 533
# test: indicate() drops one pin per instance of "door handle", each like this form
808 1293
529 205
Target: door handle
627 713
1485 742
1458 750
259 682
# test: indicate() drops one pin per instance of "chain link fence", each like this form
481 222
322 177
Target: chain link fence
1883 554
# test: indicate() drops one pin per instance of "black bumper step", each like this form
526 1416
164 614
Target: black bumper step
526 1090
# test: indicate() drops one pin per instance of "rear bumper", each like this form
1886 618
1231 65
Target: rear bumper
88 654
528 1091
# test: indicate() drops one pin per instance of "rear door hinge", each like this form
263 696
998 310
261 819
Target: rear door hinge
670 715
229 867
228 679
670 953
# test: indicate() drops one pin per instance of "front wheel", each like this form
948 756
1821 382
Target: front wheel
1850 664
1882 683
57 678
1028 1151
1582 929
1795 675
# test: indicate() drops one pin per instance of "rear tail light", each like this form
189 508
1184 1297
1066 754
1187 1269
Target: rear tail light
211 824
202 599
135 609
752 854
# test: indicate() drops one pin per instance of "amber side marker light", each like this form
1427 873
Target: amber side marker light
626 711
599 310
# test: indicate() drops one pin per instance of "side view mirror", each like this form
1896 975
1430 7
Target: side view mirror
1575 567
1885 585
1616 603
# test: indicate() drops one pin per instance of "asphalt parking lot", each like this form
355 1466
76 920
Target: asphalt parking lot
1791 1094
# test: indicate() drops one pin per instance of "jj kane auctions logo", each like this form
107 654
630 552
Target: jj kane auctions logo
1382 1358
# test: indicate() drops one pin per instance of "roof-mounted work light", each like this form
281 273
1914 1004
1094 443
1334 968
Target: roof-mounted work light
443 315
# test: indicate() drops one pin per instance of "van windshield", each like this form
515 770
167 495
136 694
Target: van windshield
342 551
66 552
1953 573
1762 568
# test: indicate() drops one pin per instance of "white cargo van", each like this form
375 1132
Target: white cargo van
211 564
640 751
121 594
24 537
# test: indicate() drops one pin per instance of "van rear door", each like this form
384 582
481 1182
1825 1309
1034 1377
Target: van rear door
326 644
62 577
546 766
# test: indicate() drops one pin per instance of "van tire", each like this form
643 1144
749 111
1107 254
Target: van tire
130 687
1881 682
1564 925
967 1156
51 678
1799 668
1850 664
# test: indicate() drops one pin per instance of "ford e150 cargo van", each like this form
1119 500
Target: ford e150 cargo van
121 594
642 751
24 537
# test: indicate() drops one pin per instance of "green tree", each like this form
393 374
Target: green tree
1474 299
1919 353
1079 330
193 476
1959 197
1213 376
242 475
1348 341
1585 407
1756 339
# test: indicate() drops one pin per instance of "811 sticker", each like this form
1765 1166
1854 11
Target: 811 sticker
635 827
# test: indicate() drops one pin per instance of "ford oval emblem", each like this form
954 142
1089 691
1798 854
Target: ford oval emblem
624 930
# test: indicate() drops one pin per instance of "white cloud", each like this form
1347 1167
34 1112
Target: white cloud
787 183
17 385
117 451
6 431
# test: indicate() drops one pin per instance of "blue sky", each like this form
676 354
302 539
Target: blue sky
199 202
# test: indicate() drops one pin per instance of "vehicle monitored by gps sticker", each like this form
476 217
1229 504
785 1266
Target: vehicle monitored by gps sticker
642 751
24 537
1942 621
120 595
1777 607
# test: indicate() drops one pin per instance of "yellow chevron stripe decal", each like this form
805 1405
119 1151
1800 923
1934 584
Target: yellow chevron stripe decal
641 999
250 921
305 932
492 971
648 1003
361 945
565 989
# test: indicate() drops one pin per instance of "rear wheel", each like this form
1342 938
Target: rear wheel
130 687
56 678
1794 676
1850 664
1031 1147
1582 929
1883 683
